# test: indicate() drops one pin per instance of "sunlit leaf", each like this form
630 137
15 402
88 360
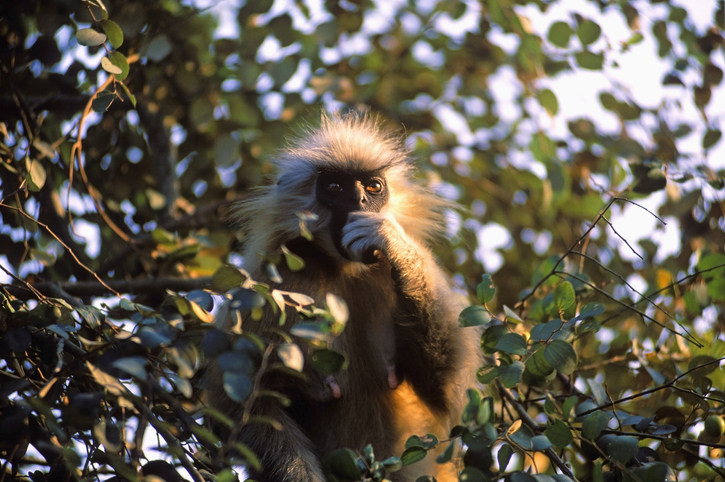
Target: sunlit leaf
36 176
90 38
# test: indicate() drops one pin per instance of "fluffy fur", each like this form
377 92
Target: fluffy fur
410 363
353 142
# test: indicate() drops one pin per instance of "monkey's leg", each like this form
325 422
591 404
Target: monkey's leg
287 455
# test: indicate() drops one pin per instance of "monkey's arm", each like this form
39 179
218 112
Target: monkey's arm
429 348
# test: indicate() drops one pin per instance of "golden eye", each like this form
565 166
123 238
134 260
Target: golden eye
374 187
333 188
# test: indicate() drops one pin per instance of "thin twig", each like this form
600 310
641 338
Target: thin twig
526 418
687 336
50 231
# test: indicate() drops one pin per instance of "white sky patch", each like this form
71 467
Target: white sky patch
454 122
4 277
90 235
492 237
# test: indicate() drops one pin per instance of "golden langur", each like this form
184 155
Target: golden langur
409 362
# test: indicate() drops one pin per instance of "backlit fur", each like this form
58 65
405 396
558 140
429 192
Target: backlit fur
353 142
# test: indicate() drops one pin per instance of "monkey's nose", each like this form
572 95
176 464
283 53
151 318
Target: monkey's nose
357 195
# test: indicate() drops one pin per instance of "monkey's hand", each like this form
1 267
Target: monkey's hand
368 234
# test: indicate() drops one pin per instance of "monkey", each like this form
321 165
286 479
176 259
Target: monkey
409 361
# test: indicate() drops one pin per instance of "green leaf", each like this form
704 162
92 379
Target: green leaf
485 289
561 356
594 423
559 434
128 93
589 60
113 32
543 270
282 71
490 338
655 180
119 61
621 448
341 464
201 112
504 456
328 362
711 137
236 362
102 101
238 386
244 299
588 32
568 406
227 277
548 101
294 262
93 317
36 176
158 48
413 455
559 34
510 375
512 343
656 471
538 365
90 38
135 366
711 266
564 296
475 315
428 442
473 474
540 443
226 151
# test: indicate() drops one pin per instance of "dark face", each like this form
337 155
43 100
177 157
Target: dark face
347 192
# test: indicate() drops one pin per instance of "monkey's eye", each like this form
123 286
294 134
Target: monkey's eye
333 188
374 187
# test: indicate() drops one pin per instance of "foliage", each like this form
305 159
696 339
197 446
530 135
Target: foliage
127 127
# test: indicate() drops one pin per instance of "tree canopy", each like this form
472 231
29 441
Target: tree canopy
128 127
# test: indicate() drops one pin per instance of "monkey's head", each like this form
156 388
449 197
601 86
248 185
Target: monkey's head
347 164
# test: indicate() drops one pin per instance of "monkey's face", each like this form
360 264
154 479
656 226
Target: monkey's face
345 192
